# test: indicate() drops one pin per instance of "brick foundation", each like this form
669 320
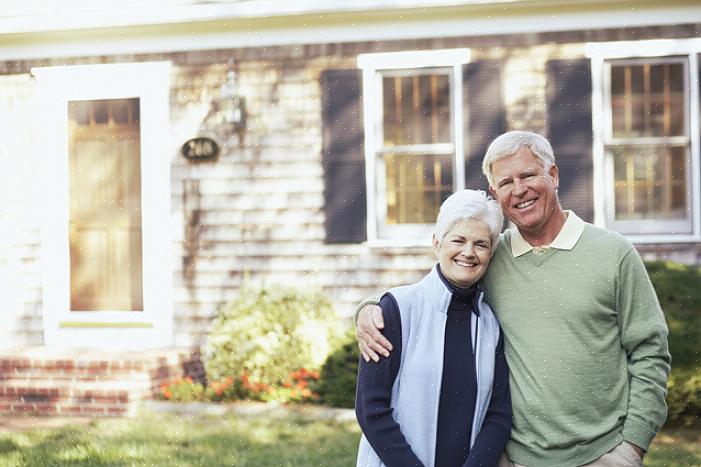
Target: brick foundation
86 382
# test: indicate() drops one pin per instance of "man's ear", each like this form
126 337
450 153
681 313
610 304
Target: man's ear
493 191
554 172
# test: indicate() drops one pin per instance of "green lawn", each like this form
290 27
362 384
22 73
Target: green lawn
172 440
676 446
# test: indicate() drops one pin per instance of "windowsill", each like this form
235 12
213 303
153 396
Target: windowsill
399 244
663 238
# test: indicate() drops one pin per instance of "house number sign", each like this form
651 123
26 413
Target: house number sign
200 149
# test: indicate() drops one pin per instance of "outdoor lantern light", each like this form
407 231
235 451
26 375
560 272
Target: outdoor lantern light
231 107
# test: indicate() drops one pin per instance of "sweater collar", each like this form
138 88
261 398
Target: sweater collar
470 294
566 239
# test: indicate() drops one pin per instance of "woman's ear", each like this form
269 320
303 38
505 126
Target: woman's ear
436 244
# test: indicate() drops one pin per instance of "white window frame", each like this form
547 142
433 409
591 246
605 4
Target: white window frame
373 67
150 83
652 51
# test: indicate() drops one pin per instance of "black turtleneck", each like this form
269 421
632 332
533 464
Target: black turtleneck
457 395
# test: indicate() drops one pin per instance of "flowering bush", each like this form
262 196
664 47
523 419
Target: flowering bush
296 387
182 390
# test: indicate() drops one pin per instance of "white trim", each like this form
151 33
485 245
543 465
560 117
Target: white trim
646 48
78 15
695 142
662 49
448 61
414 59
150 82
598 156
124 41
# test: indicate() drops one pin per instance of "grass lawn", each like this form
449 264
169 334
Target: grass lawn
676 446
172 440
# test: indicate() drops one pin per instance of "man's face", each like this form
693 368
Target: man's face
526 192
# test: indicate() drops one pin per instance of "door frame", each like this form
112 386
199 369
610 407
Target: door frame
152 326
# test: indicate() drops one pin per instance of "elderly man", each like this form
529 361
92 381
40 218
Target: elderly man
585 339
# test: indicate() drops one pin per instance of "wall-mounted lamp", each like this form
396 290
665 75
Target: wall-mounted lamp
230 116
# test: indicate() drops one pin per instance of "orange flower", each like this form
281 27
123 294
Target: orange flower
314 374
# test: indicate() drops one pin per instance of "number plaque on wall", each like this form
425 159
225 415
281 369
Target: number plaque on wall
200 149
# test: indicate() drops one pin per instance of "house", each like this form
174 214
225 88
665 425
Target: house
158 156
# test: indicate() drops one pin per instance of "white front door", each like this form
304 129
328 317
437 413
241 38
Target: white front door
106 236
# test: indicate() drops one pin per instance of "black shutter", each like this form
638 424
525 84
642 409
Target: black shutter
484 114
343 156
568 93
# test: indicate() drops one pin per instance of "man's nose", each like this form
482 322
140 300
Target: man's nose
520 187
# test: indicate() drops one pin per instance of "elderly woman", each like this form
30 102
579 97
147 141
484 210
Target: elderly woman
443 399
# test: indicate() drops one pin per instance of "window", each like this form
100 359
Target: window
413 139
646 136
648 145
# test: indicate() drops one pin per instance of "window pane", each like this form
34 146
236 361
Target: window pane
105 206
650 182
648 100
416 109
416 187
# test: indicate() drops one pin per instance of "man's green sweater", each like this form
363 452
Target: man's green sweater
586 344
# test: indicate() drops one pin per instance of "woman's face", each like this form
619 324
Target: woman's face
464 252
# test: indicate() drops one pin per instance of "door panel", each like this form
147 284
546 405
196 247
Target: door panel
105 205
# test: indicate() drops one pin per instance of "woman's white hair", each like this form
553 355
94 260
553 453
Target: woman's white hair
466 205
508 144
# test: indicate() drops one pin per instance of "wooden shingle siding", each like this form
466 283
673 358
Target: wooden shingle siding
20 214
485 116
570 132
258 214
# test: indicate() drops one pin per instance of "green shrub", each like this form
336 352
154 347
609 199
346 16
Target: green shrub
338 376
684 395
266 334
678 289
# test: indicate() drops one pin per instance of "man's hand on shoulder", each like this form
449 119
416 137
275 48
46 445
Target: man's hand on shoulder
371 342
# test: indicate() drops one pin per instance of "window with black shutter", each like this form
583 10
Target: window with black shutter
413 128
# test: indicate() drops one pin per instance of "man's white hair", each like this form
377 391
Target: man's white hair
508 144
466 205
